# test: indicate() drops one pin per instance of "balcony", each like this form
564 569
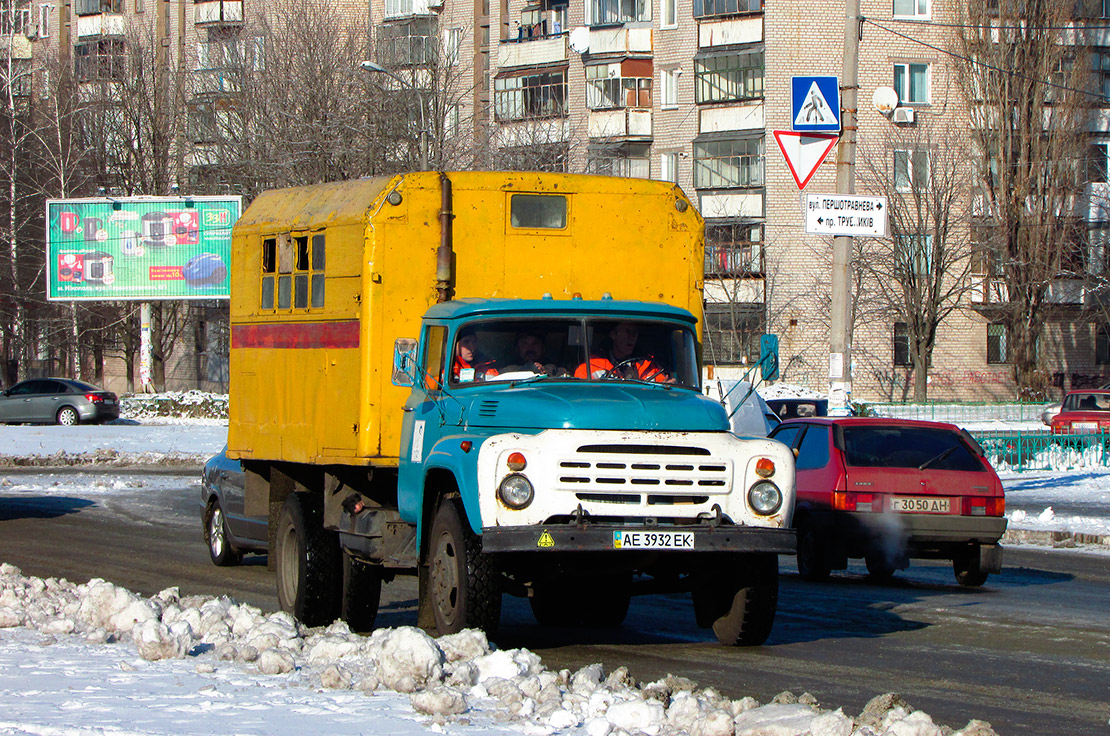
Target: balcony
730 31
622 123
103 24
218 11
221 81
620 41
550 51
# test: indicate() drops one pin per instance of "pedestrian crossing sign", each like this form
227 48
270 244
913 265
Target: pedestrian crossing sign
815 102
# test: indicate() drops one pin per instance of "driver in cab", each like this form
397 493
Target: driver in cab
622 362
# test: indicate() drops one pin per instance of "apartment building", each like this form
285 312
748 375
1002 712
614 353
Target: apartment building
688 91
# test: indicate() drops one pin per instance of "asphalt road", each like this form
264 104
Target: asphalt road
1029 652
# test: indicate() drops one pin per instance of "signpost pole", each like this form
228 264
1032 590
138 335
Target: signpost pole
840 342
146 385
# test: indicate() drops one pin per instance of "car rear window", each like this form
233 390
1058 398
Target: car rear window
908 447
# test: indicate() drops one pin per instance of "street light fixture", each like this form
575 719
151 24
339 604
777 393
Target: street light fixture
369 66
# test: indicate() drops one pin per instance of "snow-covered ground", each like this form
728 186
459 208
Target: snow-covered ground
96 658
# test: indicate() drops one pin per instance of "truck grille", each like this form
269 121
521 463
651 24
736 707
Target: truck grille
644 474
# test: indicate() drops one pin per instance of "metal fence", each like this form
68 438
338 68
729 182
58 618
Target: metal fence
1020 451
961 413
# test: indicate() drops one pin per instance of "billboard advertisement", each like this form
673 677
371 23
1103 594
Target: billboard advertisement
141 248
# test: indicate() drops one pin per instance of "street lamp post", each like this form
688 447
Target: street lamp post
369 66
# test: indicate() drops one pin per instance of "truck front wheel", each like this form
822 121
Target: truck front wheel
308 563
737 598
462 582
362 592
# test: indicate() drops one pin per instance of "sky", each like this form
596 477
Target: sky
97 658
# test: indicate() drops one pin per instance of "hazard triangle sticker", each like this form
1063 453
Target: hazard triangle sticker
804 152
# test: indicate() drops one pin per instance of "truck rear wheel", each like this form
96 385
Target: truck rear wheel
966 568
737 598
362 592
308 563
462 582
600 601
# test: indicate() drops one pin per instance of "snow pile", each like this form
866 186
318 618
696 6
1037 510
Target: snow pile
175 404
788 391
445 678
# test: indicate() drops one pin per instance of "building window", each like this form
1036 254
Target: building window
452 45
733 250
901 344
917 9
728 77
409 43
728 163
1102 344
703 8
915 254
997 343
732 332
608 87
1097 163
911 82
99 60
530 96
669 78
398 8
95 7
1100 64
629 160
46 13
911 170
615 12
668 167
668 12
14 21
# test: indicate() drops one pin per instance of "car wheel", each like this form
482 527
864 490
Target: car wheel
812 564
599 601
220 548
737 598
308 563
879 568
462 582
362 592
67 416
966 568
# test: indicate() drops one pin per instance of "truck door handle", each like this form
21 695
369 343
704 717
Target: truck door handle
408 408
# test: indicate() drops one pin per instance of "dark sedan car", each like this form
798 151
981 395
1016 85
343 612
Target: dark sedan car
57 400
228 530
887 490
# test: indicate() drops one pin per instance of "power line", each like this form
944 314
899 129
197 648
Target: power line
985 65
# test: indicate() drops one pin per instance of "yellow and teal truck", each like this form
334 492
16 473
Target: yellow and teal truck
492 381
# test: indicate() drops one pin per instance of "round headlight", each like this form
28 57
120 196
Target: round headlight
765 497
515 491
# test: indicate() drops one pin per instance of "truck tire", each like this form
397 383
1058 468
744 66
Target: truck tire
737 598
462 582
600 602
966 568
220 548
362 592
812 563
308 563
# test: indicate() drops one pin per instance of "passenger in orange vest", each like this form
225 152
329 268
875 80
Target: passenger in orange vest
470 365
622 362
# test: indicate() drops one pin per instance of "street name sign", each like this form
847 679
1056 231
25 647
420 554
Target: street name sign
804 152
846 214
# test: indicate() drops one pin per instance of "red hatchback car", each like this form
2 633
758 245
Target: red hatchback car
1083 412
887 490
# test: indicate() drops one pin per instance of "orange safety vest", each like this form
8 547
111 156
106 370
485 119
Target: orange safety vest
597 366
481 370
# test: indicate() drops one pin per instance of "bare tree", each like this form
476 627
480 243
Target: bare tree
920 272
1024 78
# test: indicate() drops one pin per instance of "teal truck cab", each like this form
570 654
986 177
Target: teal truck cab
562 450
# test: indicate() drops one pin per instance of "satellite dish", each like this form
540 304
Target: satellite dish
580 40
885 100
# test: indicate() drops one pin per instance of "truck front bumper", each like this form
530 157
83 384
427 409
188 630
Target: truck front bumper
606 537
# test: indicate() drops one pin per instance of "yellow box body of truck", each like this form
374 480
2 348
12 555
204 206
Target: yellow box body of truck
327 277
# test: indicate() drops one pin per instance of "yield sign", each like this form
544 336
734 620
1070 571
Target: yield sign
804 152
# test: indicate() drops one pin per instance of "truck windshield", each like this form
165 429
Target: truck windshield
650 351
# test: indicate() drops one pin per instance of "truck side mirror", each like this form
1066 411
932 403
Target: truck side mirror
769 357
404 361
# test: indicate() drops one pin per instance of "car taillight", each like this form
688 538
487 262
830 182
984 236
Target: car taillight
979 506
854 502
94 398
